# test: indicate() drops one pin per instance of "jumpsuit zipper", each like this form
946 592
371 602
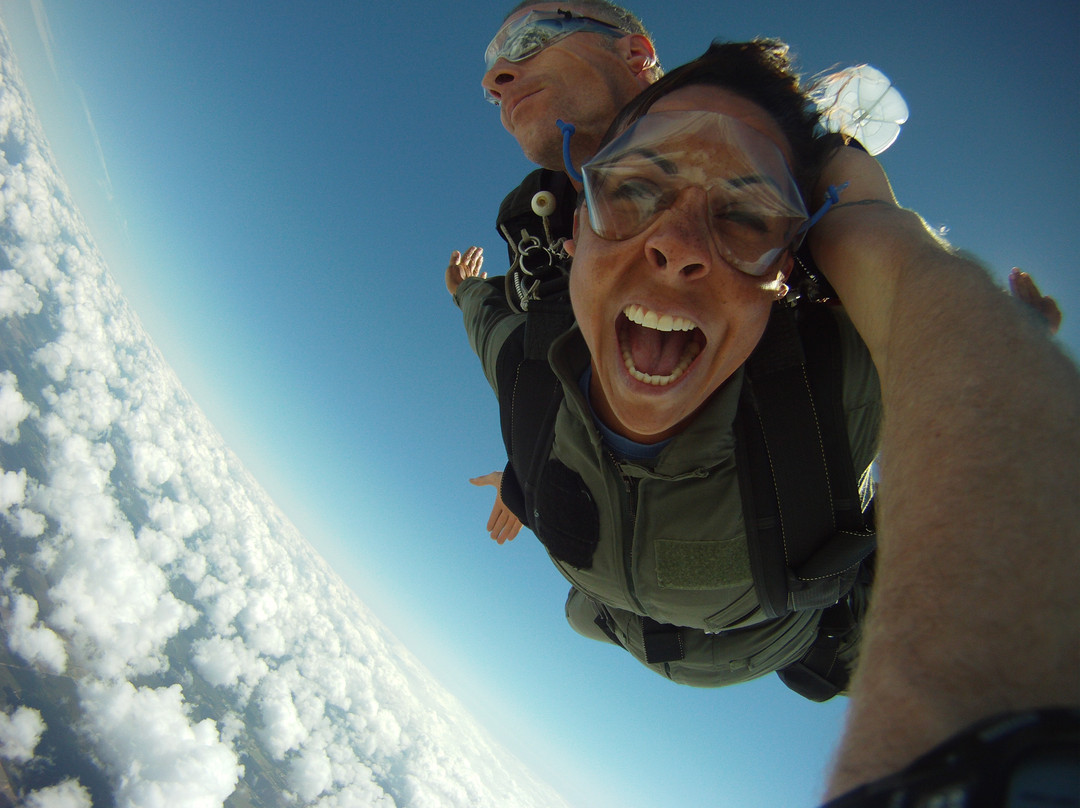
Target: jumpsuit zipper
631 486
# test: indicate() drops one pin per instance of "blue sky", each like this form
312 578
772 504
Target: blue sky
277 191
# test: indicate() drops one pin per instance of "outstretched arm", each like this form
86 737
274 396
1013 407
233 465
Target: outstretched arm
489 323
487 317
975 604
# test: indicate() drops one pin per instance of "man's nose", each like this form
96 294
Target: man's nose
680 241
503 72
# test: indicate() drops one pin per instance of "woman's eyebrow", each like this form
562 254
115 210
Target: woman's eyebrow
654 157
752 179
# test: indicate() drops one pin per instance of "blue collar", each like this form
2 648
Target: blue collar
623 448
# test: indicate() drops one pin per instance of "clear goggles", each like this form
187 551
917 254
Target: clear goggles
755 211
526 36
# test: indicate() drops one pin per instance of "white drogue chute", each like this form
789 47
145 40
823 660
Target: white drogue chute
862 103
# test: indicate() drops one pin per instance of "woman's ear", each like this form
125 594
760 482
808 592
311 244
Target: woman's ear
779 282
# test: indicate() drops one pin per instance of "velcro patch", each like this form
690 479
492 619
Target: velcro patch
699 565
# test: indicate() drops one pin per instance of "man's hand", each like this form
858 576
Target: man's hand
502 524
464 266
1024 289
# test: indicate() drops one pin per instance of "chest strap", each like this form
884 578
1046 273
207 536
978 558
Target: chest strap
806 531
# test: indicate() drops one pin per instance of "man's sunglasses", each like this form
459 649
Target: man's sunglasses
526 36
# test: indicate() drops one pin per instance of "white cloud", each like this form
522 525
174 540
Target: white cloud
161 560
31 259
151 464
310 774
161 759
228 662
87 407
113 603
220 603
29 639
12 488
26 523
17 297
55 358
13 494
159 548
13 407
68 794
366 793
117 610
19 734
281 730
177 519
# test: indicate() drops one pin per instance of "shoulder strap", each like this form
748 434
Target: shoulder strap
805 526
542 492
529 399
529 392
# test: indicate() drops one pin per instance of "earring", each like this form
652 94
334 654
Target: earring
782 292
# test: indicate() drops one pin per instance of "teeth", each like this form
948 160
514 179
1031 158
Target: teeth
689 355
659 322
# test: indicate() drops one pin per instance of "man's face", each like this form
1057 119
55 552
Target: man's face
666 318
580 79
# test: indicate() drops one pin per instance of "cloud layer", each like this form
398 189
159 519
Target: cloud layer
203 647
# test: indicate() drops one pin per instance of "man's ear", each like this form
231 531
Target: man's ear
638 53
569 245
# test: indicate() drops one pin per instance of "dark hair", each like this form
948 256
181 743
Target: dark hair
605 11
760 71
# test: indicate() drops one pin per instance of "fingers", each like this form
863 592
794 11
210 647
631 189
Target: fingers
464 265
502 526
470 261
511 530
492 478
472 255
1023 288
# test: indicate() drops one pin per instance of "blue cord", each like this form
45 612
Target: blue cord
832 196
567 133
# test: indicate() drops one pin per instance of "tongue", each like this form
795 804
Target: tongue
655 352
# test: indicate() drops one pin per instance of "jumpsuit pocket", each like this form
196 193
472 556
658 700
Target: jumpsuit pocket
567 521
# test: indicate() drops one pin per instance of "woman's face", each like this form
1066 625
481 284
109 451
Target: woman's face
665 313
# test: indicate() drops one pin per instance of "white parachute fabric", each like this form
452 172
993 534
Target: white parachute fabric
861 102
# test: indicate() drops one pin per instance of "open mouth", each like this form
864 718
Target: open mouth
657 348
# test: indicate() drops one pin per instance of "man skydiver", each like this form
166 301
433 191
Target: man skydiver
579 61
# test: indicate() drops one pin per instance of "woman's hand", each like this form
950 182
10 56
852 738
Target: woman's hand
502 525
